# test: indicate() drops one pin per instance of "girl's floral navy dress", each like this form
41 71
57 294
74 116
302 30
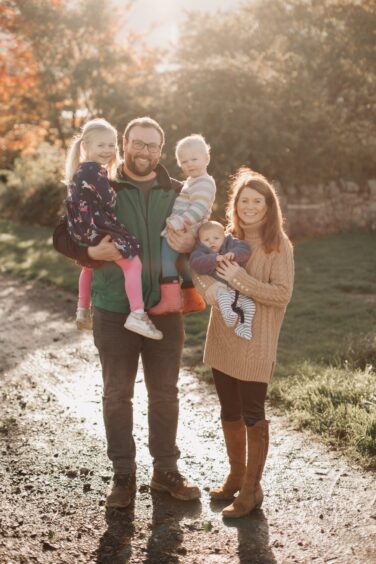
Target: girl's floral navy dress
90 211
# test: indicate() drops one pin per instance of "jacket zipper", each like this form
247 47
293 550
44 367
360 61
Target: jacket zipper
146 207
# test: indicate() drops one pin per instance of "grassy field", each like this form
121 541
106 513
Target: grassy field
325 377
27 252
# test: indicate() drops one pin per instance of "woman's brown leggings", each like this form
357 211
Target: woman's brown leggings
240 399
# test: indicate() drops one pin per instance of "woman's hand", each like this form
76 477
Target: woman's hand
227 269
181 241
106 250
211 293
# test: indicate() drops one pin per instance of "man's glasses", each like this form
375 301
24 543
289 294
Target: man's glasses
151 147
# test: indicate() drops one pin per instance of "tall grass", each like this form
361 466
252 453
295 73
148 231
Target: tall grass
337 403
325 378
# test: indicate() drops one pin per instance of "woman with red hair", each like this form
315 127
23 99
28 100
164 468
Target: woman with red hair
243 368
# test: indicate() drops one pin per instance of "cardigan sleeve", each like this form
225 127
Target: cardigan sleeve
202 282
277 292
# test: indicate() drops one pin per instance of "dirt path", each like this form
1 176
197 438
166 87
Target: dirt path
54 471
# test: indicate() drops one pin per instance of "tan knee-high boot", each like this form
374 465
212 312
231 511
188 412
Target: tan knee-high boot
251 495
235 439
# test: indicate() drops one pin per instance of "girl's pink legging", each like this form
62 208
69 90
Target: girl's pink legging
132 281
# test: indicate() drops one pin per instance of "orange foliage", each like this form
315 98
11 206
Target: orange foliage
23 139
62 60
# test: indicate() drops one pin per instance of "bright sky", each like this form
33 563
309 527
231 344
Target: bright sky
165 16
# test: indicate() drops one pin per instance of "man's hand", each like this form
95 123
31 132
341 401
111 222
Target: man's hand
106 250
181 241
211 293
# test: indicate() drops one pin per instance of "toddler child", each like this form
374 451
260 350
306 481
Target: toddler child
191 208
90 213
213 247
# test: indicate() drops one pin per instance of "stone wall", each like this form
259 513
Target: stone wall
311 210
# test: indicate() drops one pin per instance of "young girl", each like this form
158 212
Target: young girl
90 212
191 208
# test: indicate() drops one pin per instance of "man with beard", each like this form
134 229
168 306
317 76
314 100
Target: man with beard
145 197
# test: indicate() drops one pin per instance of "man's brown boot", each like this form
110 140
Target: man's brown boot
123 490
235 439
251 494
175 484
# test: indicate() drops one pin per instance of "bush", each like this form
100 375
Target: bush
33 192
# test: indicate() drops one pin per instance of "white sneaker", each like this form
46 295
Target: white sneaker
83 319
141 323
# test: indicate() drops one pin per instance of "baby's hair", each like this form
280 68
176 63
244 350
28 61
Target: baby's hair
208 225
74 154
196 140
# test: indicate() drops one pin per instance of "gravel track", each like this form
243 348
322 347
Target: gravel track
54 472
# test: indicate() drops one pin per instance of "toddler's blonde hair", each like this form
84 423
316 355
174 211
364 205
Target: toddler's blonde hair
194 140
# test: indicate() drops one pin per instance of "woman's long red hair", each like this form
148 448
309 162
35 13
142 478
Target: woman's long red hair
272 230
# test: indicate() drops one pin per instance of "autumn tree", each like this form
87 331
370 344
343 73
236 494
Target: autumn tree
18 89
62 62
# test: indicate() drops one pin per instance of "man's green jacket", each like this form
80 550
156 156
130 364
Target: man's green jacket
144 221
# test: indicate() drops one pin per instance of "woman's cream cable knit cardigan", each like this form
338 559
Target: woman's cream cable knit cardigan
268 280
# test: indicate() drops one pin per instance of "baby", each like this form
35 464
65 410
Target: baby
191 208
213 247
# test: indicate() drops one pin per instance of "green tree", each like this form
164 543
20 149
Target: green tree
284 86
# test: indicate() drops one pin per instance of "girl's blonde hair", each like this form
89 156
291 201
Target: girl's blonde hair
75 151
195 140
272 231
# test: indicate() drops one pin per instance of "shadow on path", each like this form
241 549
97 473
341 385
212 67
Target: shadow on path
253 535
116 543
166 535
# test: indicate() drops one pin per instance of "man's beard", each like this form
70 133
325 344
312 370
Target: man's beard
132 166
